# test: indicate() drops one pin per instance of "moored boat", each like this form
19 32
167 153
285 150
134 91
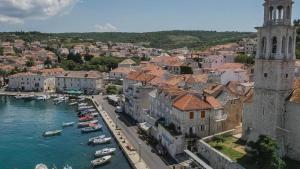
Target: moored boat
67 167
94 138
94 128
68 124
100 161
84 107
82 104
86 118
41 166
73 103
52 133
104 152
102 140
87 123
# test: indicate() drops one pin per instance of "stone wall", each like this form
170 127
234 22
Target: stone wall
216 159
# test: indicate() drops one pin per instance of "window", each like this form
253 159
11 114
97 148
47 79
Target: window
263 45
290 45
191 115
283 45
266 75
274 45
286 75
202 114
202 127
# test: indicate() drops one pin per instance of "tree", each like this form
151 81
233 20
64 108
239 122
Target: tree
267 153
242 58
186 70
112 89
69 65
30 62
75 57
88 57
1 50
48 62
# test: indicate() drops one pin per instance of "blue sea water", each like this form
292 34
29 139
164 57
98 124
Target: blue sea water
22 145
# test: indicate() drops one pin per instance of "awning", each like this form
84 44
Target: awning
145 126
74 92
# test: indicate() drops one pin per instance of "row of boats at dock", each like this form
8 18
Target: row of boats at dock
88 122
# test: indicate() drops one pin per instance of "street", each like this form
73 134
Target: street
152 159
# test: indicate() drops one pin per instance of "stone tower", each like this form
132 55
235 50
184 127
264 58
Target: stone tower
274 71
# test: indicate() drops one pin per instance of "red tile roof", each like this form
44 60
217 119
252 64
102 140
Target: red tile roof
190 102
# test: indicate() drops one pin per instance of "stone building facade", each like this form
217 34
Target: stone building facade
274 79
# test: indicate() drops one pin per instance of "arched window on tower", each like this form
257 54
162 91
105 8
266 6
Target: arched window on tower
290 45
263 46
283 47
288 12
274 45
280 12
271 13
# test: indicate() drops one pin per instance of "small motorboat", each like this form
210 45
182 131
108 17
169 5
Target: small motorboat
41 166
104 152
84 107
94 128
68 124
73 103
25 96
52 133
87 123
100 161
81 99
86 118
67 167
102 140
94 138
82 104
94 114
43 97
58 102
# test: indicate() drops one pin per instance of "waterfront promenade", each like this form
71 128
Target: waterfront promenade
133 155
152 160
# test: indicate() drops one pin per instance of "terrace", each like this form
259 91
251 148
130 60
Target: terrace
235 149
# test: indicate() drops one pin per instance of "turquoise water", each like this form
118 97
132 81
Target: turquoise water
22 146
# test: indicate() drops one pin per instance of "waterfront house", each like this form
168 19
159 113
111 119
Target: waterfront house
38 80
88 82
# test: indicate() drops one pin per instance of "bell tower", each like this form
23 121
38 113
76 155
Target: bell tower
274 71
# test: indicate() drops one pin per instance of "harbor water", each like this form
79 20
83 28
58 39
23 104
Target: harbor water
22 145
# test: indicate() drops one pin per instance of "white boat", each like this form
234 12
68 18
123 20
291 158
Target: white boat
94 138
86 124
67 167
68 124
82 104
73 103
58 102
81 100
84 107
102 140
41 166
52 133
61 98
42 97
94 128
100 161
94 114
25 96
104 152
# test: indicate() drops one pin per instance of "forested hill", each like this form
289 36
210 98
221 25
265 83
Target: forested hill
163 39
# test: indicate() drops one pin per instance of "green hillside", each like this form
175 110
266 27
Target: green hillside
163 39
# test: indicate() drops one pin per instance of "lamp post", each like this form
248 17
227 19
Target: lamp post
116 117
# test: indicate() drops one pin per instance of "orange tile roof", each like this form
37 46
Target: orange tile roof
125 70
165 60
153 69
230 66
215 103
190 102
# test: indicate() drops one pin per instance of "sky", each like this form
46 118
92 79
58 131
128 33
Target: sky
131 15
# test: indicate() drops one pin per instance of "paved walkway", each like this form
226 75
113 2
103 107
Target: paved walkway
152 160
133 154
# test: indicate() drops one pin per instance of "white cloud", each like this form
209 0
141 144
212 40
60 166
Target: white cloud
16 11
105 28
